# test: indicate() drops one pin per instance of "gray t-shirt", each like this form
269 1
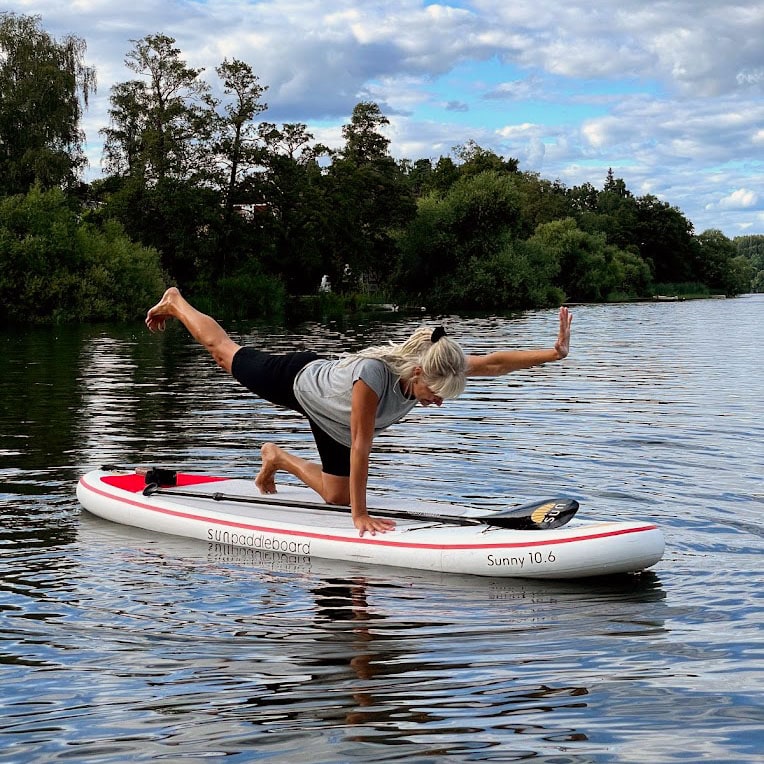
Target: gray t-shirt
325 389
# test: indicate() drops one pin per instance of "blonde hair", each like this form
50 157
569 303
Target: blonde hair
443 363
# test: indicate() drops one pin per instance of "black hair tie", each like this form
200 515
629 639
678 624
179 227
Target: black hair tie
437 333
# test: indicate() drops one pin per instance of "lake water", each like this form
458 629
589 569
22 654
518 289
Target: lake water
120 645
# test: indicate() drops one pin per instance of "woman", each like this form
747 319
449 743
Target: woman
349 400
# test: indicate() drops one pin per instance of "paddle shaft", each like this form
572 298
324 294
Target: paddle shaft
554 513
273 500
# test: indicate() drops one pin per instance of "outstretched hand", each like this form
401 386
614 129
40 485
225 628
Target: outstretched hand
373 525
562 346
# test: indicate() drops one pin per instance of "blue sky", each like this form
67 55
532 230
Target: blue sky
668 94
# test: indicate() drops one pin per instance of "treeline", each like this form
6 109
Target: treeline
244 213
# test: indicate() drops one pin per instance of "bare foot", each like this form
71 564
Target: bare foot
164 309
266 479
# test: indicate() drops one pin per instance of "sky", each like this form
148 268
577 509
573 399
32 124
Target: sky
667 93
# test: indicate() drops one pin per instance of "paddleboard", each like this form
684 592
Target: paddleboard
439 537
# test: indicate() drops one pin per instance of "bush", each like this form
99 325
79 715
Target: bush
518 276
250 294
54 267
121 278
684 289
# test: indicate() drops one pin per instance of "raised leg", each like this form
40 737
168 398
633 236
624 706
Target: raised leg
204 329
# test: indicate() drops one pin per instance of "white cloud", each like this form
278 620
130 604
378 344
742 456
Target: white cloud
692 48
742 199
692 135
517 90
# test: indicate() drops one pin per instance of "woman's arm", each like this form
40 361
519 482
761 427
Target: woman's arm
363 414
504 361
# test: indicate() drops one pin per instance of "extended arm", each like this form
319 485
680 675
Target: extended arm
362 417
504 361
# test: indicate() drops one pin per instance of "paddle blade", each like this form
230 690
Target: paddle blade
538 516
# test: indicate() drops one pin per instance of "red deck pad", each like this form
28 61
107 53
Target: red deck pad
136 483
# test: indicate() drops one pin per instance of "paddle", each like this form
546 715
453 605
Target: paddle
539 515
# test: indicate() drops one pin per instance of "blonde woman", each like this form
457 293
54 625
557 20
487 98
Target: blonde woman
349 400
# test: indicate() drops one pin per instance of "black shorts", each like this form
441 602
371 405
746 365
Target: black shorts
271 376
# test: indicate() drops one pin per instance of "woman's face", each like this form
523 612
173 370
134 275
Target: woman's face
422 392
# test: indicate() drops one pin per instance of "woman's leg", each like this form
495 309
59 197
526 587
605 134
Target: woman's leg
203 329
333 489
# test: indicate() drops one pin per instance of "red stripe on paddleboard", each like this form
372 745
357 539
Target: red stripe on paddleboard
365 540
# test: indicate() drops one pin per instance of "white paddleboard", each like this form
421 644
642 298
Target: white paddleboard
296 522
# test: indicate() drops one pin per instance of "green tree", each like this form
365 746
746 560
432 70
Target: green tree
294 214
475 159
542 201
159 143
235 159
716 266
664 237
742 275
44 87
369 197
614 213
364 143
236 135
473 221
482 208
444 174
583 199
517 275
158 123
752 249
55 267
418 174
588 266
124 141
179 218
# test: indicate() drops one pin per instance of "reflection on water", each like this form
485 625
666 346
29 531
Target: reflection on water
118 645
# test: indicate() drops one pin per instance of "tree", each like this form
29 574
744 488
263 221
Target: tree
44 87
752 249
665 240
55 267
363 141
158 123
123 149
236 135
296 210
456 233
616 213
588 266
716 254
583 198
475 159
418 174
179 218
444 174
542 201
159 142
369 197
518 275
615 186
741 275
